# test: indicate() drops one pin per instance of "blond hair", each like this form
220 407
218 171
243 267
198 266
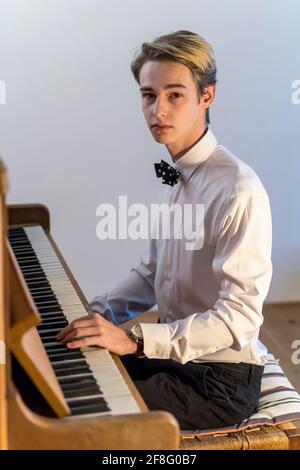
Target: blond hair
186 48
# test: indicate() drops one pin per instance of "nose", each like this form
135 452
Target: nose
159 108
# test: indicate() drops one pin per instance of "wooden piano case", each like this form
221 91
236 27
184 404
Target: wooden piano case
20 426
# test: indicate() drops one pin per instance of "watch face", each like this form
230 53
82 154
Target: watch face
137 330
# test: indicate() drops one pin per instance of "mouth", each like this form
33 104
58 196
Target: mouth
158 128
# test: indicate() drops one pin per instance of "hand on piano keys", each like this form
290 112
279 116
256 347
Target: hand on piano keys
94 330
87 373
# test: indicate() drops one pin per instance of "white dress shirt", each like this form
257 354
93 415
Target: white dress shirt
210 299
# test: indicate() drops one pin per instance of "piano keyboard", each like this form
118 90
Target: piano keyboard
89 378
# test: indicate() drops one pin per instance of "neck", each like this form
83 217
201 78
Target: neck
179 149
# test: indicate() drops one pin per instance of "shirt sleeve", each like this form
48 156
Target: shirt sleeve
133 295
243 268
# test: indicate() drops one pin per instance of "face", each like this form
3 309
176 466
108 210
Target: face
169 97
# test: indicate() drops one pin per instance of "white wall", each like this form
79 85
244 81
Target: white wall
73 135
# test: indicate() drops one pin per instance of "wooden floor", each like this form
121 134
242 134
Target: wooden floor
281 327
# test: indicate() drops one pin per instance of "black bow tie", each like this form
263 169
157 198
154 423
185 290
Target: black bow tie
165 171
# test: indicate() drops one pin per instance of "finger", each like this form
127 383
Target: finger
81 343
81 332
75 324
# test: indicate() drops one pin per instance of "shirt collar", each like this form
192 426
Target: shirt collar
200 152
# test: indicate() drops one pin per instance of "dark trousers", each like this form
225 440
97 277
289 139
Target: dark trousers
201 396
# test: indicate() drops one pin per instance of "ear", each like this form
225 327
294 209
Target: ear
209 96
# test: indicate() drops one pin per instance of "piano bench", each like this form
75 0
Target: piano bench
270 427
281 437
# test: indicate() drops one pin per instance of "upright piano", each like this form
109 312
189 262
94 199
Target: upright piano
52 397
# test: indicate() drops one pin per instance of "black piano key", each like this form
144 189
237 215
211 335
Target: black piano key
47 336
50 332
33 276
44 333
18 243
70 365
59 325
65 356
65 381
43 297
48 339
53 318
92 405
48 307
56 347
74 371
57 312
89 409
24 252
50 328
15 231
46 295
85 392
35 266
41 283
59 350
43 293
27 257
49 320
25 249
52 344
75 387
51 315
64 352
34 270
89 383
51 301
28 263
88 401
40 290
52 309
38 284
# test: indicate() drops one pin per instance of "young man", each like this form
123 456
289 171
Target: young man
203 361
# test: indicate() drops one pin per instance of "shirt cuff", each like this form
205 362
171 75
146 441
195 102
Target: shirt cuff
157 338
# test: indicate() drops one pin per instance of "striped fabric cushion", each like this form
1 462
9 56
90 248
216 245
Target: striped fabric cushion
278 403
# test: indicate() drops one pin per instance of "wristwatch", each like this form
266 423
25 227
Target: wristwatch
136 333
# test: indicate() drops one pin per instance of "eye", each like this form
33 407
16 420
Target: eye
147 94
178 94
